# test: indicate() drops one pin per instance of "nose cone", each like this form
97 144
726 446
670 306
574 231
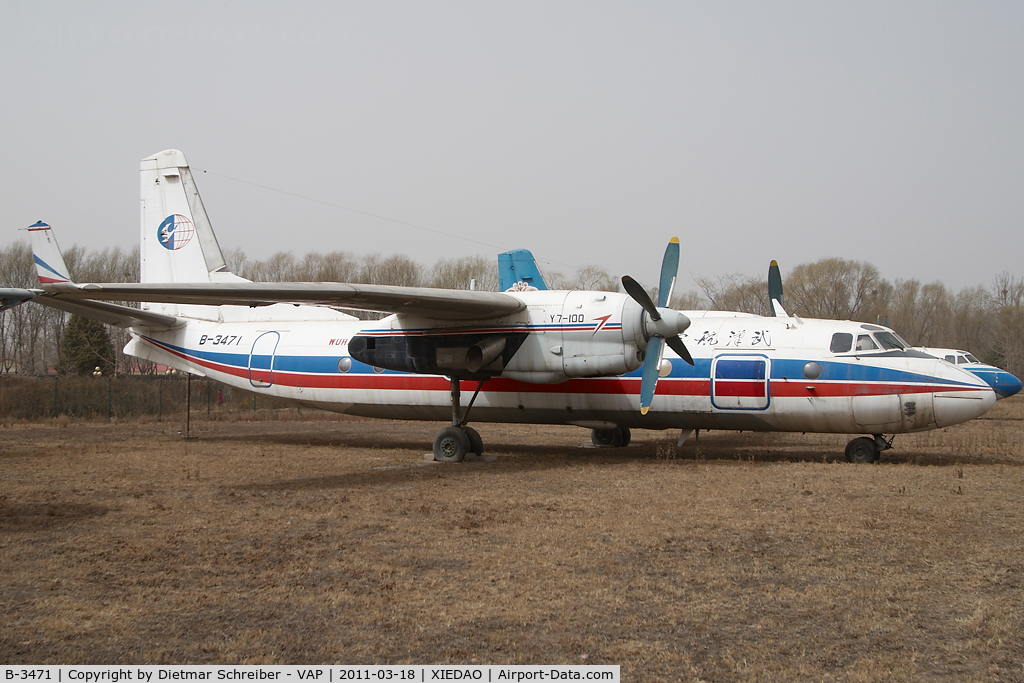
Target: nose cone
1004 384
954 407
967 395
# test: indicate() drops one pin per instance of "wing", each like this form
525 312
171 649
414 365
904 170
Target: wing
444 304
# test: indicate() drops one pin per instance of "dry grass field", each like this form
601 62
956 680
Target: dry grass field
741 557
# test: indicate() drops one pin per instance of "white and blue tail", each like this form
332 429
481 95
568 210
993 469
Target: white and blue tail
50 266
178 243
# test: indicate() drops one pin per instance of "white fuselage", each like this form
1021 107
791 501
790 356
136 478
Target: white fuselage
579 365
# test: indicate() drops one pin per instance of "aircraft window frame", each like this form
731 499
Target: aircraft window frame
842 342
863 342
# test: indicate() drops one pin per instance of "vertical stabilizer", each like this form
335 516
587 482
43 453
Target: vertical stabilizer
49 262
518 266
178 243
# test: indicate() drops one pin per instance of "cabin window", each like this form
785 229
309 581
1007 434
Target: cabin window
841 342
865 343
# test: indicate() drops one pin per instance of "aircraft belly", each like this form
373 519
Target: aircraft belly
813 414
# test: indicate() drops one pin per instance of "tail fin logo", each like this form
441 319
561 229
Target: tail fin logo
175 232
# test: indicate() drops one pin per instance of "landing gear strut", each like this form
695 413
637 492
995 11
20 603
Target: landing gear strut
453 444
867 449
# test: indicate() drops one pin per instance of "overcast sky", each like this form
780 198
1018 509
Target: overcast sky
589 132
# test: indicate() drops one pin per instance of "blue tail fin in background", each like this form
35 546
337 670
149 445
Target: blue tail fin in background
518 266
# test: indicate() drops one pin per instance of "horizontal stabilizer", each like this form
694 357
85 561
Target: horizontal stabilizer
9 298
111 314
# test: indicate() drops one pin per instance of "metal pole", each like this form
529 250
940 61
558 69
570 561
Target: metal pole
160 399
110 398
188 405
55 397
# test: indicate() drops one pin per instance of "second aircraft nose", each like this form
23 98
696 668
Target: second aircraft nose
1005 384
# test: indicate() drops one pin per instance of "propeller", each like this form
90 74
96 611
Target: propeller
775 291
661 324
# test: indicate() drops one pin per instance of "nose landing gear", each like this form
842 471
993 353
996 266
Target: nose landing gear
867 449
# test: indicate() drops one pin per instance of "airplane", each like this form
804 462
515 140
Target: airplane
605 361
1004 383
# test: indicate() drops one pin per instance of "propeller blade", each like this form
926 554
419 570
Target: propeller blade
640 295
659 331
774 286
649 379
677 345
669 270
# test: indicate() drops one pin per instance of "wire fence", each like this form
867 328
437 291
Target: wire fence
132 397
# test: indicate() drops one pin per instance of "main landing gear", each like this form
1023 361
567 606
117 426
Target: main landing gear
611 437
867 449
453 444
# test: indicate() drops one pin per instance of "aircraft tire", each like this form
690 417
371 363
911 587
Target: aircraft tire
451 445
626 436
607 438
862 449
476 444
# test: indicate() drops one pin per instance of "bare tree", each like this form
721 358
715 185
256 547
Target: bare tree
689 301
974 319
921 314
458 273
838 289
1008 348
590 278
736 292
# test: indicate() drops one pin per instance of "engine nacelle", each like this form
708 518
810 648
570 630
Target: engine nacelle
579 334
561 335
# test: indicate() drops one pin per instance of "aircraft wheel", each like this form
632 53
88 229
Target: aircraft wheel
626 436
862 449
476 444
451 445
607 437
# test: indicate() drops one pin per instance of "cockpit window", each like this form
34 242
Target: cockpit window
951 359
972 359
888 340
865 343
960 360
841 342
